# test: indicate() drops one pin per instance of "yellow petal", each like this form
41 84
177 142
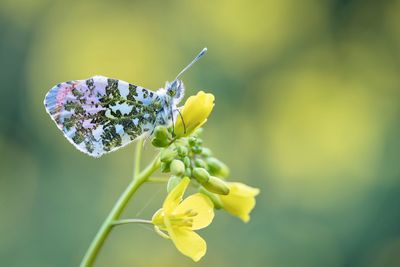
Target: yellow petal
201 205
244 190
195 113
240 200
175 196
188 242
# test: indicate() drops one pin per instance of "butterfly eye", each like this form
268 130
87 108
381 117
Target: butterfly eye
171 93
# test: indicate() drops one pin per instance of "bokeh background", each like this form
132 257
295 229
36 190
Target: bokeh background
307 109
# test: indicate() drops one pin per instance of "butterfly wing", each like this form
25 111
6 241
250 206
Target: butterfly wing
100 114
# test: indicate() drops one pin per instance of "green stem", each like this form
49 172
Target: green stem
126 221
118 208
138 157
157 180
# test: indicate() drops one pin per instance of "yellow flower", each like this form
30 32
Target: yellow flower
240 200
195 113
179 218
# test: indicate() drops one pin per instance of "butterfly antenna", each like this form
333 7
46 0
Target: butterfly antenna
193 61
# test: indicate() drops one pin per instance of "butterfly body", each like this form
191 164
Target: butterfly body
99 115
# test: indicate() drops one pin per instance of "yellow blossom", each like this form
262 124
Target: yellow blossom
179 218
195 113
240 200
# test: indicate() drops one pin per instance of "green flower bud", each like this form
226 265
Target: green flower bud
177 167
196 149
161 137
186 161
206 152
201 175
192 141
188 172
165 167
200 163
159 143
161 133
217 167
182 151
172 182
213 197
167 155
217 186
199 141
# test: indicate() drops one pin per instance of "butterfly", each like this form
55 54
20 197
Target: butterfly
99 115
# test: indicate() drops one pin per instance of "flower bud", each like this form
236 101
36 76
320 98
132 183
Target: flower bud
177 167
199 141
186 161
201 175
182 151
217 186
194 113
192 141
159 143
217 167
167 155
172 182
196 149
200 163
161 133
206 152
188 172
161 137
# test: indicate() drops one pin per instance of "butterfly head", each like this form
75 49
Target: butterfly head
175 90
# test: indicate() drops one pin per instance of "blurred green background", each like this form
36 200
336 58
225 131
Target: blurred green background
307 109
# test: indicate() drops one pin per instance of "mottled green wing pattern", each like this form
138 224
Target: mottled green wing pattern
100 114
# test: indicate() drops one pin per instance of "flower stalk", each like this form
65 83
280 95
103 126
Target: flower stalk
138 179
129 221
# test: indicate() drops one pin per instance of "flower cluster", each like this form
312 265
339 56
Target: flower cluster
187 161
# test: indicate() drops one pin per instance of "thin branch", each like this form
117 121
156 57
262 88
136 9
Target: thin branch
157 180
138 157
127 221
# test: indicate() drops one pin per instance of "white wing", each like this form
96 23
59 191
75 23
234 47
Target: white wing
99 115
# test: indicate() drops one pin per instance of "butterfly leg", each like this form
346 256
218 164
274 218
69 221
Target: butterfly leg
173 123
183 121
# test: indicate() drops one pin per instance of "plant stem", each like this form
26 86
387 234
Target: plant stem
157 180
119 206
138 157
126 221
